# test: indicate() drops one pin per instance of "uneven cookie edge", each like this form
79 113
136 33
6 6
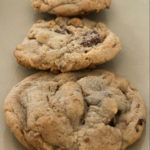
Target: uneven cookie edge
14 92
98 55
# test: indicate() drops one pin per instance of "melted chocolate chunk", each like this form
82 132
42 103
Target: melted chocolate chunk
87 140
90 39
114 120
141 122
82 122
118 113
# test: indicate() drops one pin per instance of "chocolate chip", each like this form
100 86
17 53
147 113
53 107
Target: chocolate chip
112 122
82 122
87 140
69 32
91 42
141 122
90 39
118 113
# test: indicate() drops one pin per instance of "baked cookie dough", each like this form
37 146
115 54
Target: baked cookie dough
70 7
87 110
67 44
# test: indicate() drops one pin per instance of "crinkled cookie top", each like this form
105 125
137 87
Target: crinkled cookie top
65 44
70 7
95 110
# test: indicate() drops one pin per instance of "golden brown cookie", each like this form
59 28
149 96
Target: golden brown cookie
67 44
70 7
87 110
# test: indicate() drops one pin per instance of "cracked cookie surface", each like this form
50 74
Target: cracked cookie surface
70 7
67 44
87 110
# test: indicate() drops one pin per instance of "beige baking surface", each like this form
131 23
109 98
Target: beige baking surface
127 18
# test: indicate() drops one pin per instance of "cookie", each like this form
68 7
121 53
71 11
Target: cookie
70 7
87 110
67 44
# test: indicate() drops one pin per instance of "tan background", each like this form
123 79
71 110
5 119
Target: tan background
127 18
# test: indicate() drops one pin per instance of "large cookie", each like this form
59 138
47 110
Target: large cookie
67 44
95 110
70 7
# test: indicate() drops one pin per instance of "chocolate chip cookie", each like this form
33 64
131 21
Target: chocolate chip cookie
70 7
87 110
67 44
